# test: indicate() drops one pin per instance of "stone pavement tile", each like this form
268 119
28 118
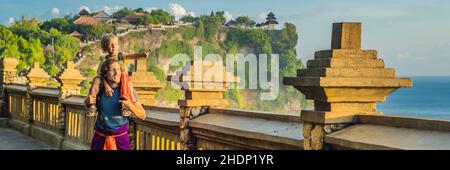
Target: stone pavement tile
14 140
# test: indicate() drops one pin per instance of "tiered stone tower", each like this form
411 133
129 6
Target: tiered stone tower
146 84
37 76
344 81
200 93
69 79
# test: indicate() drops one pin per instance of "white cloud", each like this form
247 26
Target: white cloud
11 21
111 9
227 16
85 7
150 9
178 11
262 16
191 14
404 55
55 12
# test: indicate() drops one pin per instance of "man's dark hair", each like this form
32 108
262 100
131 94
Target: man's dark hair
106 66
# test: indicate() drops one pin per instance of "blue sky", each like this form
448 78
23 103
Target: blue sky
412 36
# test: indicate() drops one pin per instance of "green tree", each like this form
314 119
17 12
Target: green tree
27 28
289 35
60 24
160 16
30 51
245 21
139 10
122 13
200 29
6 36
189 18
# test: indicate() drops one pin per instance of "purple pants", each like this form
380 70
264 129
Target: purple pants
122 142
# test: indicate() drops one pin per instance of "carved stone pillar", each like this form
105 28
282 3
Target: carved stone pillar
145 84
69 81
343 82
37 76
201 91
8 72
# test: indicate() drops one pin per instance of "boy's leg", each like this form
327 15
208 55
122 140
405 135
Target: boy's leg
93 91
126 90
95 86
109 91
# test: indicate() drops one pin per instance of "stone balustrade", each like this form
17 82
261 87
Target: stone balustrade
345 83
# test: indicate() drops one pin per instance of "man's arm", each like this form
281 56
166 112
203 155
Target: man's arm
138 110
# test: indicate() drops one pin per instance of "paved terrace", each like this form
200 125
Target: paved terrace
11 139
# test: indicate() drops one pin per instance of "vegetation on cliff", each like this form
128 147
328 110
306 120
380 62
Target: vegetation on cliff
31 40
27 42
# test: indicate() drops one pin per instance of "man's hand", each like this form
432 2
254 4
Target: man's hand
126 113
126 104
136 109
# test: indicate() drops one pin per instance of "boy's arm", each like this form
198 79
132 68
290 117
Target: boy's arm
109 91
137 56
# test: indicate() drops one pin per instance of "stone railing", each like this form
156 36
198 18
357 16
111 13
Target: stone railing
243 129
57 116
45 110
160 131
344 82
79 127
17 104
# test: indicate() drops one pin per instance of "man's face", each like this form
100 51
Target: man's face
114 73
113 46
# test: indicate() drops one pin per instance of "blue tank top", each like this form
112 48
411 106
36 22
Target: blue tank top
110 116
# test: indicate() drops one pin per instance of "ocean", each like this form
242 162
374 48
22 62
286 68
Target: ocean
429 97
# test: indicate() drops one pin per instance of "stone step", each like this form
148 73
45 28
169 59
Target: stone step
347 72
190 95
345 63
332 117
346 53
203 102
347 82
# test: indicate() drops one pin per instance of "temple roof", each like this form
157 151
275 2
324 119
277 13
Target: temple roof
76 34
231 23
101 14
83 12
133 17
85 20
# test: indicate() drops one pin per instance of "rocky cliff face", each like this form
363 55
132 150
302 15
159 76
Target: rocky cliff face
160 42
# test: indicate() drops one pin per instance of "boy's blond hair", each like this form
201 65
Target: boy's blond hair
105 40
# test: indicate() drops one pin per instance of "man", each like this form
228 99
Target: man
111 126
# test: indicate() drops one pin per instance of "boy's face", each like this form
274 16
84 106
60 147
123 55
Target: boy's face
113 46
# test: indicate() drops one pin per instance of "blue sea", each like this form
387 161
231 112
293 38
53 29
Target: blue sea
429 97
